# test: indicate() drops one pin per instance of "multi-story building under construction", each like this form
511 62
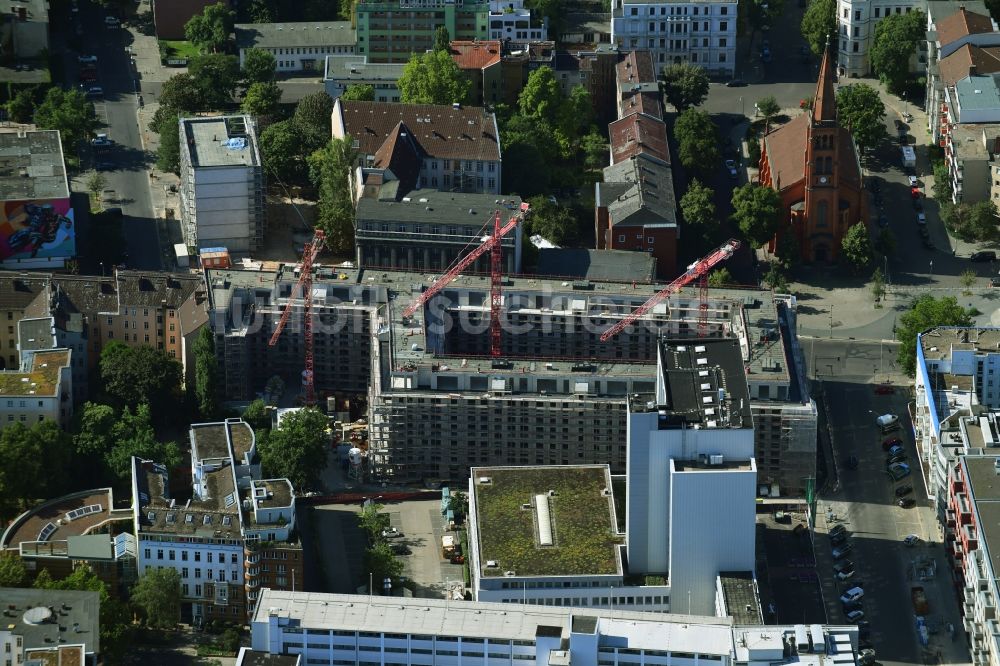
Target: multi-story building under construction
438 403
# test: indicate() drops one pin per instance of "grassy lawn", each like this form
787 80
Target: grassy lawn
178 49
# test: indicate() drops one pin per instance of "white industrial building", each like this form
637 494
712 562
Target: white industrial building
856 21
296 47
328 629
222 184
343 71
701 33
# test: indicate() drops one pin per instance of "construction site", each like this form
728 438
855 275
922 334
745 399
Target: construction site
455 370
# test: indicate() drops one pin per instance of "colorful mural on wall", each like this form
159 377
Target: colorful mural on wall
37 229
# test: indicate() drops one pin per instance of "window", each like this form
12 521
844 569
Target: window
724 26
724 11
722 57
846 14
856 31
146 553
877 10
722 42
171 554
159 553
857 14
184 572
197 590
184 556
197 574
650 240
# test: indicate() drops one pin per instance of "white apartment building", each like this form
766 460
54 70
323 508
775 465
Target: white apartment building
297 47
222 184
328 629
957 375
856 21
698 32
212 540
41 390
11 649
510 21
344 71
692 477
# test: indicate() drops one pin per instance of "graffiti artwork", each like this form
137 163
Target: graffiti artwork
37 229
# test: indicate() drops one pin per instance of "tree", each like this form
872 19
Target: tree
168 152
359 92
878 285
372 520
788 251
179 95
926 312
259 66
768 108
720 277
595 150
968 279
133 435
34 463
433 78
382 563
541 96
576 117
857 246
157 594
757 211
13 573
281 150
137 375
698 141
885 242
895 43
442 40
312 114
261 99
819 24
205 371
860 109
70 113
971 222
93 426
22 106
524 170
942 183
330 170
96 182
775 278
256 415
215 77
684 85
698 208
555 223
210 29
297 449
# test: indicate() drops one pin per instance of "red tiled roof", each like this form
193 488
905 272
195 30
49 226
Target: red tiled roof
475 55
400 154
969 59
636 67
785 149
644 102
466 133
961 24
638 134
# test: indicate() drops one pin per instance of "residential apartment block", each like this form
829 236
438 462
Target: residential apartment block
222 184
700 32
329 628
51 626
344 71
393 31
447 148
296 47
235 532
24 33
480 62
510 21
856 21
41 390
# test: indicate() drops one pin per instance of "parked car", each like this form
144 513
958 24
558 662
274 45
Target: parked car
914 191
890 442
843 565
86 58
853 606
898 471
95 91
841 551
903 490
911 540
906 503
837 539
391 533
111 21
837 529
887 423
101 140
895 448
995 282
921 218
735 83
855 615
983 255
731 168
913 180
853 594
765 54
917 206
866 657
845 575
896 458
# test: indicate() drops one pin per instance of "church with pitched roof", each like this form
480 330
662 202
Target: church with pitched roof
813 164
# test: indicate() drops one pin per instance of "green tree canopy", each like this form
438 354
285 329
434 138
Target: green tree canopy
860 109
819 23
281 150
541 96
926 312
595 150
359 92
971 222
137 375
256 415
857 246
210 29
259 66
206 369
178 95
382 563
698 141
895 43
768 107
684 85
433 78
34 465
157 594
576 117
215 77
70 113
698 208
555 223
168 152
757 211
442 40
775 278
21 107
720 277
330 170
524 170
312 113
133 435
297 449
13 573
942 183
261 99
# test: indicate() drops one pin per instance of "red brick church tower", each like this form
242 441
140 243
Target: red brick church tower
812 162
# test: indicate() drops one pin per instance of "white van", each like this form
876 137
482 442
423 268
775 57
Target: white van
852 594
887 422
111 21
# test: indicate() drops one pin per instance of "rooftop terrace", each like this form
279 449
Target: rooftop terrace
568 527
63 517
214 515
220 141
40 379
272 493
938 343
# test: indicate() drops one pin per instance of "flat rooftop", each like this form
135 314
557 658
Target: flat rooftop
438 617
214 440
248 657
220 141
937 344
62 518
36 334
31 166
39 378
585 264
552 521
64 655
277 493
984 492
285 35
51 617
471 210
740 595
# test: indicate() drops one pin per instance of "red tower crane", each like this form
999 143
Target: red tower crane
303 287
493 245
694 272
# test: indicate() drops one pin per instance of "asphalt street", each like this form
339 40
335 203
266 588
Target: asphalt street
127 160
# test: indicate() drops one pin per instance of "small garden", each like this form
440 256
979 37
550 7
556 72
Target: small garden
176 49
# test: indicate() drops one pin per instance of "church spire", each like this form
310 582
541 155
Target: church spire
825 102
